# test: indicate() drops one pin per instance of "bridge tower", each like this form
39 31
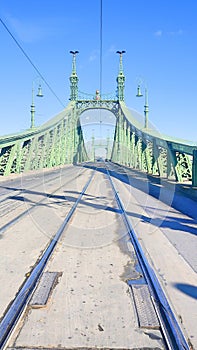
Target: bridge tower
120 78
74 79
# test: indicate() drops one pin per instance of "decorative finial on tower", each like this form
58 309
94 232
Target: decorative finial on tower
120 62
146 109
120 78
74 78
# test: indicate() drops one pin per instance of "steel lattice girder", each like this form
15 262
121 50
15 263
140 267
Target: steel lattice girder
152 152
60 141
44 146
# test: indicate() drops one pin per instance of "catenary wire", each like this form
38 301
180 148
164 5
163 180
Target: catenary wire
101 44
101 54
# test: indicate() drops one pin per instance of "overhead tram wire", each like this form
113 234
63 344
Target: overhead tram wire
31 62
101 54
101 45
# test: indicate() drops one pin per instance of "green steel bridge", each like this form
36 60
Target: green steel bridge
60 140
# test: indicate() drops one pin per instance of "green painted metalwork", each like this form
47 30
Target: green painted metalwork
10 159
74 79
152 152
43 147
32 111
120 79
30 161
146 109
194 169
60 140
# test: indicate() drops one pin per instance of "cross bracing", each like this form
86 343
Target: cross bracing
60 141
149 151
57 142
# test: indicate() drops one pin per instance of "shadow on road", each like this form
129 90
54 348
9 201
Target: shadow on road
187 289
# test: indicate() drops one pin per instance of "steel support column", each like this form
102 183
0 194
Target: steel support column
194 169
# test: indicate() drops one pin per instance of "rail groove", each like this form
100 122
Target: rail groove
172 333
18 305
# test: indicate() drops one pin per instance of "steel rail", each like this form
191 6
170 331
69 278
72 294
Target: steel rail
18 305
172 332
27 211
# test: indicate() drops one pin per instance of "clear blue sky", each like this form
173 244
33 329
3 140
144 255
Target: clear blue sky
159 37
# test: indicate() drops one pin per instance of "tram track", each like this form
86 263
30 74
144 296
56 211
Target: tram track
170 329
16 308
173 335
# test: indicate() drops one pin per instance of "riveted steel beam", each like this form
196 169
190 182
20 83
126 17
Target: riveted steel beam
194 169
60 141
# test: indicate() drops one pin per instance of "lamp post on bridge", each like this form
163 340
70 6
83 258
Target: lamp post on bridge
146 106
32 111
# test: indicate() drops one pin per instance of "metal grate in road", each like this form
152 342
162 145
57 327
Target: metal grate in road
145 310
43 290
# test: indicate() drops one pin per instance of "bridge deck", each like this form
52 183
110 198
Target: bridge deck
91 304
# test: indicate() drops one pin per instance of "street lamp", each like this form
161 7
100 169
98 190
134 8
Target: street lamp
39 94
146 107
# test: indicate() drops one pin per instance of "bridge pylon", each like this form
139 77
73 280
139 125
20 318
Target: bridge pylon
120 78
74 78
60 140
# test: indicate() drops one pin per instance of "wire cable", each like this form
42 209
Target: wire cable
101 45
31 62
101 55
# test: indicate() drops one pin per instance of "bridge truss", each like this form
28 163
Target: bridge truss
60 140
149 151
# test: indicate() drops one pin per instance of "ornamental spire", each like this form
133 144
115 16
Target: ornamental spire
120 62
74 78
120 78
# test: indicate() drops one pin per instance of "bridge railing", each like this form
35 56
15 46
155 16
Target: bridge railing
83 96
149 151
60 141
57 142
